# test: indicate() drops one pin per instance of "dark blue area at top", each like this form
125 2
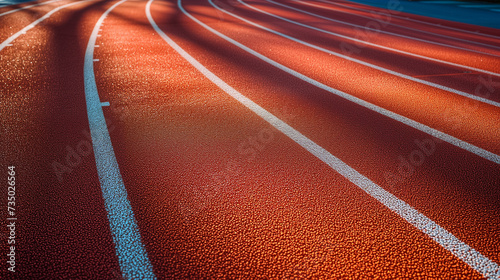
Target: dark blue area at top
448 10
12 2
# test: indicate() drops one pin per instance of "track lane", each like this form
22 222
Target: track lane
62 229
132 256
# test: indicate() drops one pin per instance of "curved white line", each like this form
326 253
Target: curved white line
132 256
410 28
397 74
440 235
431 131
33 24
371 44
381 31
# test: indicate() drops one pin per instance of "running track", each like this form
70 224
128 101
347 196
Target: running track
247 139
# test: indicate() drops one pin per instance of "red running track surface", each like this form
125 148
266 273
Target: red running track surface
217 191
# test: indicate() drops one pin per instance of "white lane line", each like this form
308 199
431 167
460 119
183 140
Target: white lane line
402 26
372 44
379 30
447 240
105 104
33 24
397 74
27 7
426 129
132 255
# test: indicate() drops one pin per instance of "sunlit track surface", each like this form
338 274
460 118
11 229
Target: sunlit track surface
247 139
